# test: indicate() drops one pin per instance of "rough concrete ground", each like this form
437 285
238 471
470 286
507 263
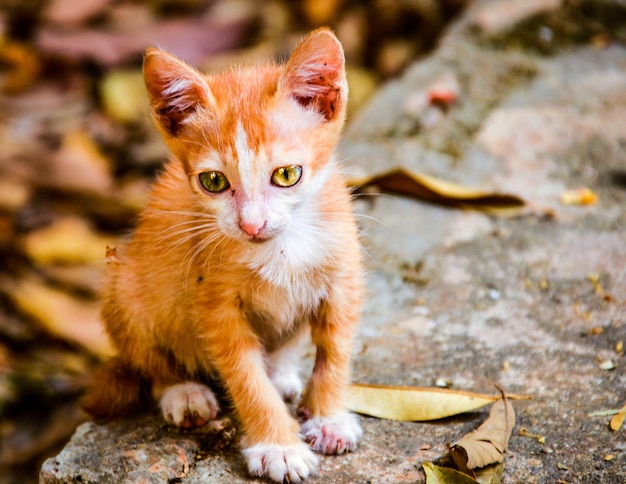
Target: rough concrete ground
460 295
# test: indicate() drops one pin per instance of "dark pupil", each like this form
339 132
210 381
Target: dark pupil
284 173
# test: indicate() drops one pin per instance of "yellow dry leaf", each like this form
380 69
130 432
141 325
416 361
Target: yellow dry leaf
436 190
490 474
13 194
487 444
80 165
524 432
69 241
580 196
445 475
319 12
24 66
412 403
124 96
618 420
60 314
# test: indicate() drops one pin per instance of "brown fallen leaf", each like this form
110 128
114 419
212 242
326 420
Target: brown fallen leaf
14 194
193 39
70 12
23 64
445 475
79 165
424 187
487 444
69 241
413 403
60 314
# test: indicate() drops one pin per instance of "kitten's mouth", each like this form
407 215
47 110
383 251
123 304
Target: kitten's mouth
258 240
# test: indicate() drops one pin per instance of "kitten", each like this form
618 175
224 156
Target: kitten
248 242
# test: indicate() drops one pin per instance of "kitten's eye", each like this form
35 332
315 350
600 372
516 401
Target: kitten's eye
213 181
287 176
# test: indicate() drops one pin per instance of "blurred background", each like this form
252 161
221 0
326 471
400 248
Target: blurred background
78 151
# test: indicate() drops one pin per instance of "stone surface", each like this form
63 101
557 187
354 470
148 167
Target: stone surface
458 295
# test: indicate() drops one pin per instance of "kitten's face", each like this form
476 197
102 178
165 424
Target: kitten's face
257 144
254 190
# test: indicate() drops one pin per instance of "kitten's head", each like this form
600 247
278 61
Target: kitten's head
256 143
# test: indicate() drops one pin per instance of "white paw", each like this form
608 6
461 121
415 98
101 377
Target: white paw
287 382
189 405
332 435
281 463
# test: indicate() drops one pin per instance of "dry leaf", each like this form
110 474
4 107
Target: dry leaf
60 314
320 12
523 431
70 12
23 66
69 241
618 420
86 278
13 194
193 39
445 475
581 196
431 189
491 474
79 165
413 404
487 444
124 96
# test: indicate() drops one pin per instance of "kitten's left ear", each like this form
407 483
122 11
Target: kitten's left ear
315 75
176 90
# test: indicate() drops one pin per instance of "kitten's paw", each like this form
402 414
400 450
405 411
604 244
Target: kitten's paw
332 435
189 405
281 463
288 383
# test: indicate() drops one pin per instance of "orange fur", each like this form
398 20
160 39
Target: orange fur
194 294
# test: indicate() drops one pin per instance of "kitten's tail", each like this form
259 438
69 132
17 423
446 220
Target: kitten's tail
115 390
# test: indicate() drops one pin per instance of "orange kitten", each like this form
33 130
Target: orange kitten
248 241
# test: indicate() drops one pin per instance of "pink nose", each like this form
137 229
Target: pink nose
251 228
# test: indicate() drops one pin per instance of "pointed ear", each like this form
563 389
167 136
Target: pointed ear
176 90
315 75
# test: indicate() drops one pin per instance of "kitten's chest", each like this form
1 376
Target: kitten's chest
275 312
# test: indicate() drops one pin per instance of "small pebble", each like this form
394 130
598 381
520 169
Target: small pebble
608 365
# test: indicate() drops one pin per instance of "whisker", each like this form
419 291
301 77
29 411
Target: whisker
174 231
180 212
191 233
196 250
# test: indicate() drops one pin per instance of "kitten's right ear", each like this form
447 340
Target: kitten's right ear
176 90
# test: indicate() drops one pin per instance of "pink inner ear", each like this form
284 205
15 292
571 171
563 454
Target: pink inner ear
315 74
322 95
175 90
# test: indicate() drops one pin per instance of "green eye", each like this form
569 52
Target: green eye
213 181
287 176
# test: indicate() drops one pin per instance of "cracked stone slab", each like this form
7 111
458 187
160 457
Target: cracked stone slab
458 295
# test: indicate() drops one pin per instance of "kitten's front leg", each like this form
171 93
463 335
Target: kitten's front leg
284 365
329 428
271 445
